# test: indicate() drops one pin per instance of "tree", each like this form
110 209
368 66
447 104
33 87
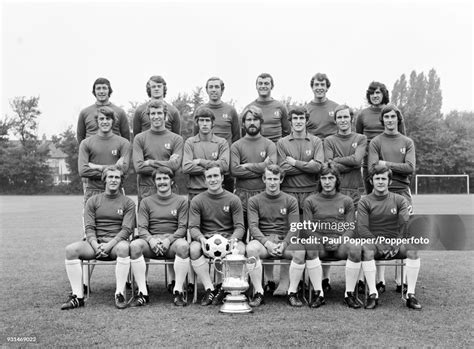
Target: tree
67 142
25 123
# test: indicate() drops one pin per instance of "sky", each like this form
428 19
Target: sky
55 50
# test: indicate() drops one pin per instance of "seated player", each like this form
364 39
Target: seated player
215 211
383 214
109 220
270 216
162 224
333 212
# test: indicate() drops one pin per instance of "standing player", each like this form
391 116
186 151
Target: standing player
334 213
154 148
385 214
156 89
203 150
275 115
397 152
101 150
271 214
162 224
300 155
226 123
109 220
368 122
86 123
345 151
215 211
249 157
321 109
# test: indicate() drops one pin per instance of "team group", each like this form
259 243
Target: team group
249 180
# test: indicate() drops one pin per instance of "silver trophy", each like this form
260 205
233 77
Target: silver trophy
235 269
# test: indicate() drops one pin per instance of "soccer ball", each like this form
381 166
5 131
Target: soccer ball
217 246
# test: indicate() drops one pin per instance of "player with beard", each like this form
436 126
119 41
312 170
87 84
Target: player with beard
162 225
86 123
271 214
156 147
109 221
156 89
368 122
203 150
215 211
226 123
275 115
385 214
321 109
330 207
249 156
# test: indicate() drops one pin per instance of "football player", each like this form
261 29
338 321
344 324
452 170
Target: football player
334 214
215 211
162 225
270 216
385 214
109 221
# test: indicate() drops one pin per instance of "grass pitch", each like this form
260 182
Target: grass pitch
35 230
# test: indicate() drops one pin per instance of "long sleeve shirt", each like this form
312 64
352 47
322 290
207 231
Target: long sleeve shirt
141 120
321 118
334 214
309 155
215 150
163 216
399 153
347 152
108 217
87 123
269 215
159 146
275 119
385 216
101 150
253 152
368 123
226 124
211 214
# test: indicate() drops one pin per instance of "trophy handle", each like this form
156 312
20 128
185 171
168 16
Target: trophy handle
218 261
251 264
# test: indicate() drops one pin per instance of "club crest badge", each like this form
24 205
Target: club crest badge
403 150
354 145
114 152
167 146
394 210
308 152
341 210
283 211
277 113
263 154
226 209
120 212
214 155
331 114
225 116
174 212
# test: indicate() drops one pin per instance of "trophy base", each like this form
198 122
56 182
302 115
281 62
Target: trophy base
235 304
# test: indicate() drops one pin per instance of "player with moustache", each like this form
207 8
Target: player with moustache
215 211
275 114
321 109
203 150
162 225
109 221
156 89
156 147
270 216
329 206
385 214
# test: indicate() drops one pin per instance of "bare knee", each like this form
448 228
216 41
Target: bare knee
136 249
299 257
412 254
182 249
355 253
367 253
122 249
195 250
73 251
